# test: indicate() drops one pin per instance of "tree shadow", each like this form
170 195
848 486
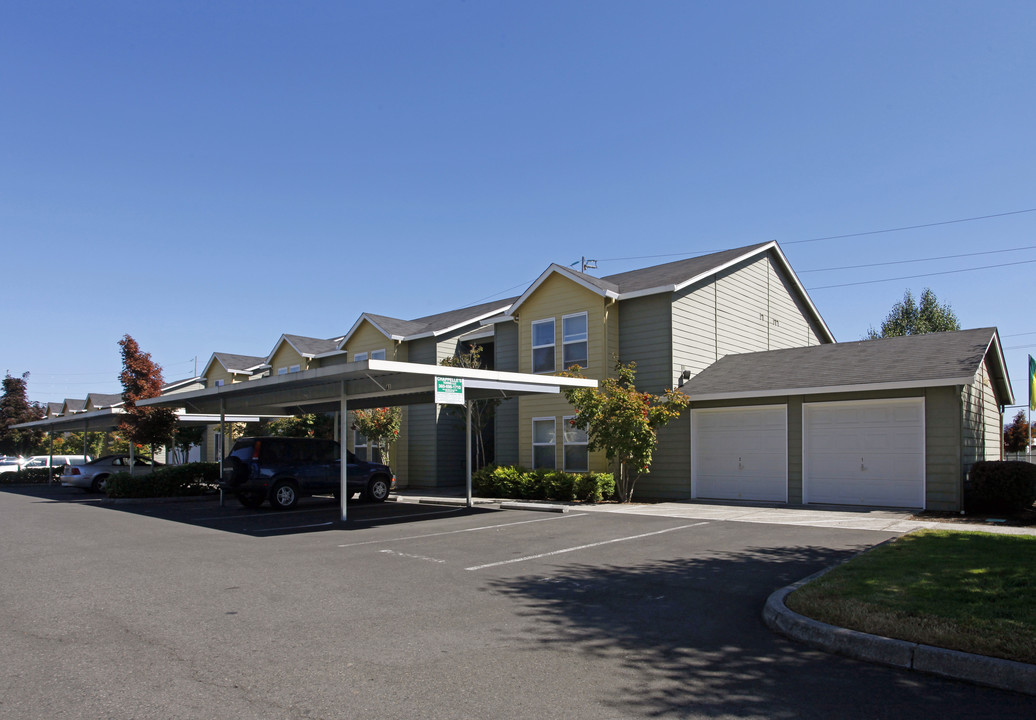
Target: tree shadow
689 639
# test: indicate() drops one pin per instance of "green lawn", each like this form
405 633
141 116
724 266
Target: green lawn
969 591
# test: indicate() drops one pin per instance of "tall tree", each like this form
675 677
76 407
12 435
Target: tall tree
1017 434
909 318
15 409
622 421
141 379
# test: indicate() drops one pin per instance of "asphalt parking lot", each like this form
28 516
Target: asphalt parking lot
189 610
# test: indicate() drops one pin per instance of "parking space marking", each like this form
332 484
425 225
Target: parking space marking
566 516
292 527
412 557
269 513
582 547
411 515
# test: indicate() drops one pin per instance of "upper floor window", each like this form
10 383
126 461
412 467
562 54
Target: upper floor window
377 354
295 368
573 340
220 382
359 357
543 346
282 371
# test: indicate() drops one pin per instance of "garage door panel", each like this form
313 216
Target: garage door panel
864 453
740 453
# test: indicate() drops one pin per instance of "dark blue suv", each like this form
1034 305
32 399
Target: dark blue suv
283 469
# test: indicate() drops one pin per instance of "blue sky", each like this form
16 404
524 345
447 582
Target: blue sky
206 176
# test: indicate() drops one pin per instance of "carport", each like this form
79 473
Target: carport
108 419
363 385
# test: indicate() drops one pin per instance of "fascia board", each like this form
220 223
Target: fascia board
276 347
831 389
459 325
329 353
786 266
497 319
212 359
998 354
356 326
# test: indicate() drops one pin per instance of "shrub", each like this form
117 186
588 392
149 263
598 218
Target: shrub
518 482
1000 486
169 481
483 482
34 475
594 487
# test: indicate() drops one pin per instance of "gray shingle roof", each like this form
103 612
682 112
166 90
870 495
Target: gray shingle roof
673 273
909 361
103 400
238 363
312 346
75 405
440 321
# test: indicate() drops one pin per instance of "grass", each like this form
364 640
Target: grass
968 591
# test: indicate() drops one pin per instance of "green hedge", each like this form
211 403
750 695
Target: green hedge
169 481
518 482
30 475
1000 486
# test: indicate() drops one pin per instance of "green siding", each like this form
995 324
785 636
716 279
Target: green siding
505 349
943 449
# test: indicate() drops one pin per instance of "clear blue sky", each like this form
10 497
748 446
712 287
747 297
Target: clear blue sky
206 176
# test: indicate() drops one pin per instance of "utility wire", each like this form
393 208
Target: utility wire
911 227
928 259
911 277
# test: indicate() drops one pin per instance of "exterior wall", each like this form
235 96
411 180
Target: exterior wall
943 440
218 372
983 422
368 338
556 297
505 358
286 356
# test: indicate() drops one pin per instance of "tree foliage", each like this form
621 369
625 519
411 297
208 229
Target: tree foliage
909 318
623 421
315 425
141 379
482 411
1017 434
15 409
380 426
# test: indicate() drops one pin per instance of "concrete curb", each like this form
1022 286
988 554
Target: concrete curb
979 669
158 500
541 507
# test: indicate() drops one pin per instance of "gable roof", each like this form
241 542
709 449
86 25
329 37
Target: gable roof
97 401
235 364
307 347
675 276
54 409
73 406
910 361
429 325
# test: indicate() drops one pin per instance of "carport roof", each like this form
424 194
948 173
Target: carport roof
911 361
366 384
110 417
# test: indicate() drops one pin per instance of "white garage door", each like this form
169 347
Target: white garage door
740 453
868 452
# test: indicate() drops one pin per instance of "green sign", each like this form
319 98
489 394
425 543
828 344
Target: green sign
449 391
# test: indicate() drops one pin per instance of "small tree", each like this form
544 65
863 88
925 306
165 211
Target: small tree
15 409
622 421
1017 434
318 425
380 426
141 379
482 411
186 437
909 318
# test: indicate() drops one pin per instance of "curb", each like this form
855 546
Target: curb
979 669
541 507
158 500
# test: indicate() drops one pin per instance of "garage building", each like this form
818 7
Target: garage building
895 422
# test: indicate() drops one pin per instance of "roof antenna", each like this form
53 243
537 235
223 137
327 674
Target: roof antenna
587 264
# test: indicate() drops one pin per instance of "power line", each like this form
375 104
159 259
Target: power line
911 227
927 259
911 277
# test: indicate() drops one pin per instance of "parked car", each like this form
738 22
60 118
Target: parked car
9 471
10 465
283 469
92 475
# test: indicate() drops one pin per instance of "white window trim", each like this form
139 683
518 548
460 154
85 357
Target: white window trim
553 444
553 344
586 339
566 444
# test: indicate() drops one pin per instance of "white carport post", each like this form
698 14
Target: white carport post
343 491
467 446
222 443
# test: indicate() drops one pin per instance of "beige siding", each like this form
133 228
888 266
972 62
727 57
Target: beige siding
368 338
285 356
555 297
983 423
741 309
694 327
218 372
790 324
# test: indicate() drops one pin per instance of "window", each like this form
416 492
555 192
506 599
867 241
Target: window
577 457
377 354
543 443
543 346
220 382
282 371
360 444
295 368
573 340
359 356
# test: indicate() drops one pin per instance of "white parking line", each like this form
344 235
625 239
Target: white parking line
412 557
581 547
566 516
411 515
293 527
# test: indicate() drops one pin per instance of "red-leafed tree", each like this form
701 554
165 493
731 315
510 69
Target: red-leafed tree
1017 434
15 409
141 379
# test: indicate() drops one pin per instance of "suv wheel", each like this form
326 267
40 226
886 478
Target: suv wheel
285 495
378 489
